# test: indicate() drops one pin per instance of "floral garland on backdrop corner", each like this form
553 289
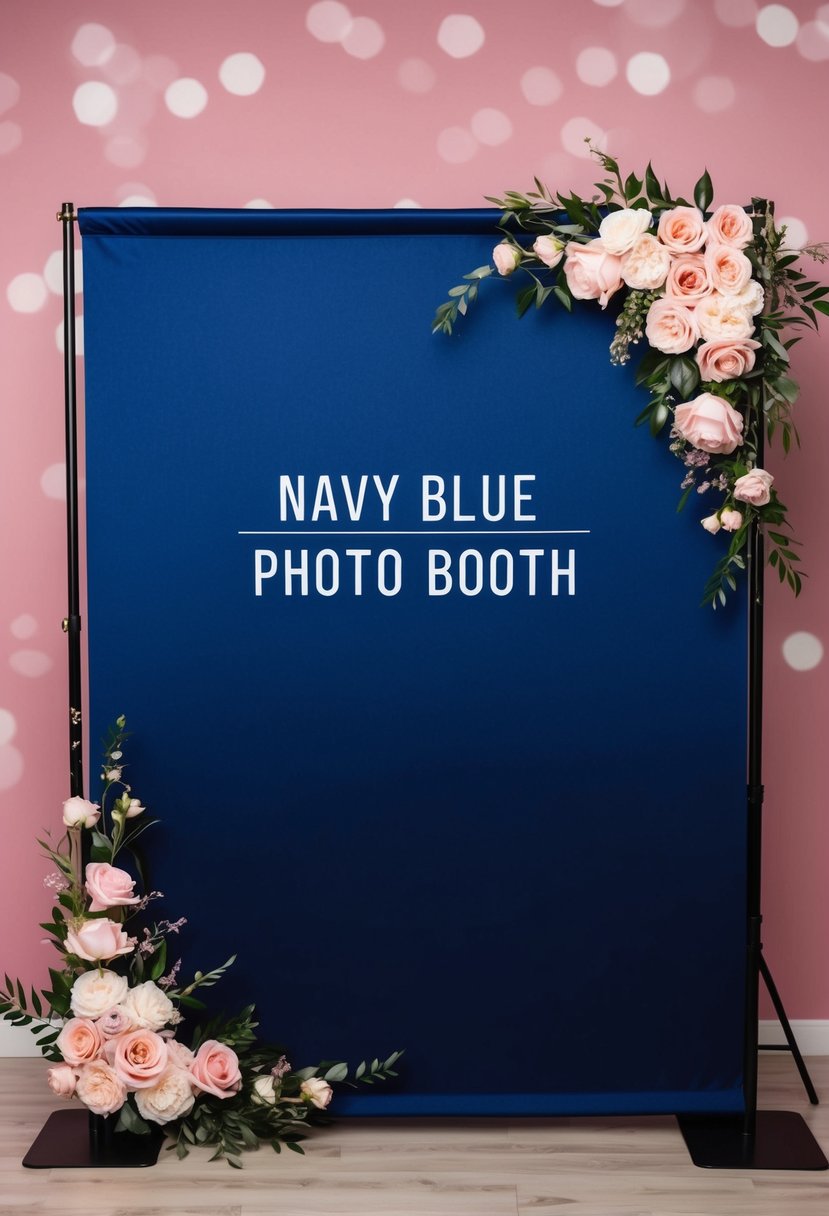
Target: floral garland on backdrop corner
711 293
111 1031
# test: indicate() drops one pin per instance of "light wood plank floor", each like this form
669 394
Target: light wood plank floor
492 1167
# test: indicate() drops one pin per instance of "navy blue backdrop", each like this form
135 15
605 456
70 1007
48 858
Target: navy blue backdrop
504 828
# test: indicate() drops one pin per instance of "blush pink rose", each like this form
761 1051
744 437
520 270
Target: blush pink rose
100 1088
80 812
98 939
140 1058
548 250
108 886
754 487
591 272
62 1080
710 424
688 279
730 225
79 1041
731 520
316 1091
115 1021
682 229
671 326
646 264
724 360
216 1069
506 257
711 523
728 268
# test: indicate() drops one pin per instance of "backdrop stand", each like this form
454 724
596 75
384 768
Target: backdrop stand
766 1139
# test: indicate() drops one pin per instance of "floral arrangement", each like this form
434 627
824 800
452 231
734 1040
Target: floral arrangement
111 1021
712 293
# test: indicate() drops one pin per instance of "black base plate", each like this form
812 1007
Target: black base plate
782 1141
65 1143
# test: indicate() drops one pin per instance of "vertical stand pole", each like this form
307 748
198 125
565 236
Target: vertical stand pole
72 622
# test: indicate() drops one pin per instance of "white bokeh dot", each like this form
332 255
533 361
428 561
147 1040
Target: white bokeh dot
416 75
8 726
491 127
53 482
575 133
405 204
797 234
93 44
135 194
328 21
813 41
802 651
11 137
777 25
712 94
364 39
30 663
456 145
609 3
541 86
648 73
78 337
23 626
596 65
185 97
654 13
259 204
9 92
27 292
53 272
242 73
125 151
125 65
11 766
95 103
460 35
736 13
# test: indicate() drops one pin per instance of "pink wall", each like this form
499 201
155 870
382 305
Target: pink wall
374 111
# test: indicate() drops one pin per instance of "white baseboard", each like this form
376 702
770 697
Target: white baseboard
812 1036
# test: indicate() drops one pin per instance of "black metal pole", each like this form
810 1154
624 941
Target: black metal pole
72 621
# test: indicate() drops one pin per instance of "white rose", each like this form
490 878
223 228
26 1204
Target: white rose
646 265
149 1007
135 808
170 1098
96 992
721 316
751 298
80 813
113 774
711 523
264 1090
620 230
316 1091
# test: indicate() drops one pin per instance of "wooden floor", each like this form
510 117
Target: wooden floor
536 1167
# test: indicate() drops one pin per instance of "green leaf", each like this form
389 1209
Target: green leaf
659 416
822 306
703 192
652 187
130 1121
159 961
524 300
361 1068
294 1147
684 375
338 1073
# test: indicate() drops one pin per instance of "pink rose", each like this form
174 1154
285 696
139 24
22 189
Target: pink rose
80 813
725 360
216 1069
548 250
140 1058
730 225
710 424
754 487
98 939
591 272
62 1080
100 1088
731 520
79 1041
711 523
688 279
646 264
179 1055
108 886
671 326
316 1091
682 229
729 269
506 257
720 316
114 1022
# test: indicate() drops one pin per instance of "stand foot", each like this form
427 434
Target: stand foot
65 1142
783 1141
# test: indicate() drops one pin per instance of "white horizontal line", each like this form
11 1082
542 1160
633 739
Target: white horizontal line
423 532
